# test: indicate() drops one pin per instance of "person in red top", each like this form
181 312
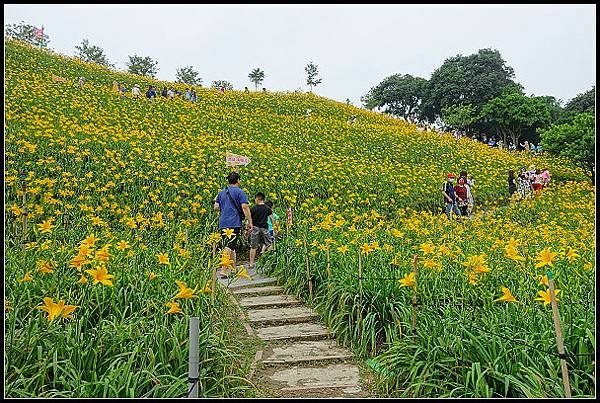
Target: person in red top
462 196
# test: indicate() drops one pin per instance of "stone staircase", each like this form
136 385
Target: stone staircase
299 357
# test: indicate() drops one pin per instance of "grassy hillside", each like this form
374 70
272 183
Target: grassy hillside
125 169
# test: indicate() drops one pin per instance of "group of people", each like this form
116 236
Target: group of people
528 182
189 95
261 221
458 199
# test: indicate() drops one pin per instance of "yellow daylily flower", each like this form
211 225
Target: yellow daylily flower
173 307
243 273
100 275
152 276
184 291
544 296
228 232
571 255
507 296
545 258
46 226
163 258
122 245
408 280
26 277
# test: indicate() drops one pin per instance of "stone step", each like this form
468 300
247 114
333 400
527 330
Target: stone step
268 301
242 282
307 351
312 378
281 315
264 290
298 331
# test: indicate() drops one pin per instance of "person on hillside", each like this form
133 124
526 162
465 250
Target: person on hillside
512 186
115 86
260 228
123 90
525 145
164 91
194 97
449 197
188 95
81 81
546 177
272 222
462 197
170 93
151 93
524 184
538 182
222 89
246 89
264 89
136 90
308 113
232 205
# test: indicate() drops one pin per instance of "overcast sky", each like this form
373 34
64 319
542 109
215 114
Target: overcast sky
552 48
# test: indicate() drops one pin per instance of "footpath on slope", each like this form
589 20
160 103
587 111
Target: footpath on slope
298 358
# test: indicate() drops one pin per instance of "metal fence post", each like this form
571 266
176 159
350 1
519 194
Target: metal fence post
193 358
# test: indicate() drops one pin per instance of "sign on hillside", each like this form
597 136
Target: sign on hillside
234 160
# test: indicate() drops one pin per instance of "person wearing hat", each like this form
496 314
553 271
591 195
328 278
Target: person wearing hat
136 90
450 197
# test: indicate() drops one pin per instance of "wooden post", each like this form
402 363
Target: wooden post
414 299
559 339
310 285
193 358
24 208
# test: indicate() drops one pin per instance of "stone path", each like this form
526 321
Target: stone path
299 357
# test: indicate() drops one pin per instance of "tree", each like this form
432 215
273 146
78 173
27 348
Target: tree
27 33
144 66
400 95
93 54
513 113
188 75
222 83
555 107
575 140
256 76
459 117
584 102
312 73
473 80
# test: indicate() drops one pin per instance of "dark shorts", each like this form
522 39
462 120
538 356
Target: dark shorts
259 236
236 240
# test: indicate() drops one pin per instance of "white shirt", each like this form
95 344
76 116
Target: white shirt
135 91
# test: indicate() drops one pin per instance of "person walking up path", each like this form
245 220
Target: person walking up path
232 205
260 233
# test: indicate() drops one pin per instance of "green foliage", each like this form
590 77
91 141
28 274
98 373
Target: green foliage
256 76
92 54
512 113
25 32
575 140
400 95
143 66
222 83
459 117
473 79
311 75
187 75
582 103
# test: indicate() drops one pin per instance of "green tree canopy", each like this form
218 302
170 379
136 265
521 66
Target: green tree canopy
222 83
256 76
584 102
400 95
459 117
311 75
473 80
575 140
27 33
512 113
188 75
144 66
91 53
